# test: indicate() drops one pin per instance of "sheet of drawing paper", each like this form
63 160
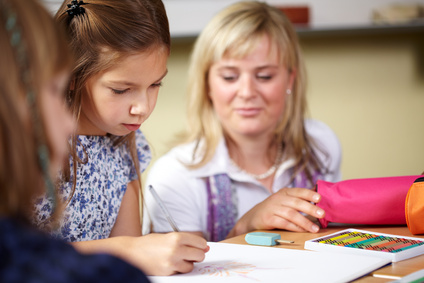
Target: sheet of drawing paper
244 263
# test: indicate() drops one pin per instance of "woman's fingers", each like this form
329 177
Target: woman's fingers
288 206
302 200
292 220
288 209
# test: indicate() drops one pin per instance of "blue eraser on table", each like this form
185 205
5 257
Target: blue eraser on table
262 238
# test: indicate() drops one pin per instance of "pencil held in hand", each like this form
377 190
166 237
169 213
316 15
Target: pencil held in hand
164 209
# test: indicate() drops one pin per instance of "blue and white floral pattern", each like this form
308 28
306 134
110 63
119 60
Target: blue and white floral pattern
101 185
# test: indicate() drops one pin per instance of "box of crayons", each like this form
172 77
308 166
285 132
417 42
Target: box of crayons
393 247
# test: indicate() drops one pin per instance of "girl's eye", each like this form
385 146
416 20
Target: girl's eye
159 84
119 91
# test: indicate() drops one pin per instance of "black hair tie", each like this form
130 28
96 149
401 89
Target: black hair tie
75 8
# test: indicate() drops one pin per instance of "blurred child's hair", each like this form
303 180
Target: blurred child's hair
33 51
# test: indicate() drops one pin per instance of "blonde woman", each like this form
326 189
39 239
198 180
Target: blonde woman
250 158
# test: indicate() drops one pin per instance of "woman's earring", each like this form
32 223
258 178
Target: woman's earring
288 91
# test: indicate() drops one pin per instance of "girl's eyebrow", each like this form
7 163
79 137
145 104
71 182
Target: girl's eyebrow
164 74
127 83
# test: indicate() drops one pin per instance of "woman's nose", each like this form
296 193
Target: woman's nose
246 87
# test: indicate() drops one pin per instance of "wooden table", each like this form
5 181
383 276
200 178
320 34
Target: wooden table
388 273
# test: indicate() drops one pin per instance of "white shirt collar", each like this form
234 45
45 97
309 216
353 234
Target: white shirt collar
220 163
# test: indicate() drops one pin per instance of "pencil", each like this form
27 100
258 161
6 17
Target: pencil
164 210
284 241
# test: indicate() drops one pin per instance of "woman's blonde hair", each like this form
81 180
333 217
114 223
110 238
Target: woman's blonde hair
33 51
108 31
234 32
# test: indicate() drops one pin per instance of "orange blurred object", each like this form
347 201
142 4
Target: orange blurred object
298 15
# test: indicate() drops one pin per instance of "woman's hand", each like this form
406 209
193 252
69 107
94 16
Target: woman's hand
282 210
166 254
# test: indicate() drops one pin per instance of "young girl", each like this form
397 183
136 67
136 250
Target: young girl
34 126
121 48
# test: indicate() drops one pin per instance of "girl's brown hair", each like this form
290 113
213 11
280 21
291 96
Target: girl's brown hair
28 62
108 31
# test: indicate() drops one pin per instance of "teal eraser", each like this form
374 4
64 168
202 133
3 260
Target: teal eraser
262 238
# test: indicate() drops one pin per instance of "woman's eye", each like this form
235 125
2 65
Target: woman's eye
264 77
229 77
119 91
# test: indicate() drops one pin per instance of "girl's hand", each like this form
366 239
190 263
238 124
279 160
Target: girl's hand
282 210
166 254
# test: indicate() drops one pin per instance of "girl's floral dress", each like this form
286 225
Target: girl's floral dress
101 184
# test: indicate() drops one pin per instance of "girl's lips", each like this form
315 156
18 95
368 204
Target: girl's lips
132 127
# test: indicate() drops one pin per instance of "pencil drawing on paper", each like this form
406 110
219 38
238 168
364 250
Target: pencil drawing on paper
228 269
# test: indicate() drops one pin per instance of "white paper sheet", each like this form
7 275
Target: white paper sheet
244 263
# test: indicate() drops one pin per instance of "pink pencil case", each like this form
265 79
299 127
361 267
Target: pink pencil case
372 201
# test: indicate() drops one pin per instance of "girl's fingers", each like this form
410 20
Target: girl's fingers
189 239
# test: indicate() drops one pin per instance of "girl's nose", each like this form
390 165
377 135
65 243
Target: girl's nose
140 106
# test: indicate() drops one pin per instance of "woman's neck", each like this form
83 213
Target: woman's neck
257 157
